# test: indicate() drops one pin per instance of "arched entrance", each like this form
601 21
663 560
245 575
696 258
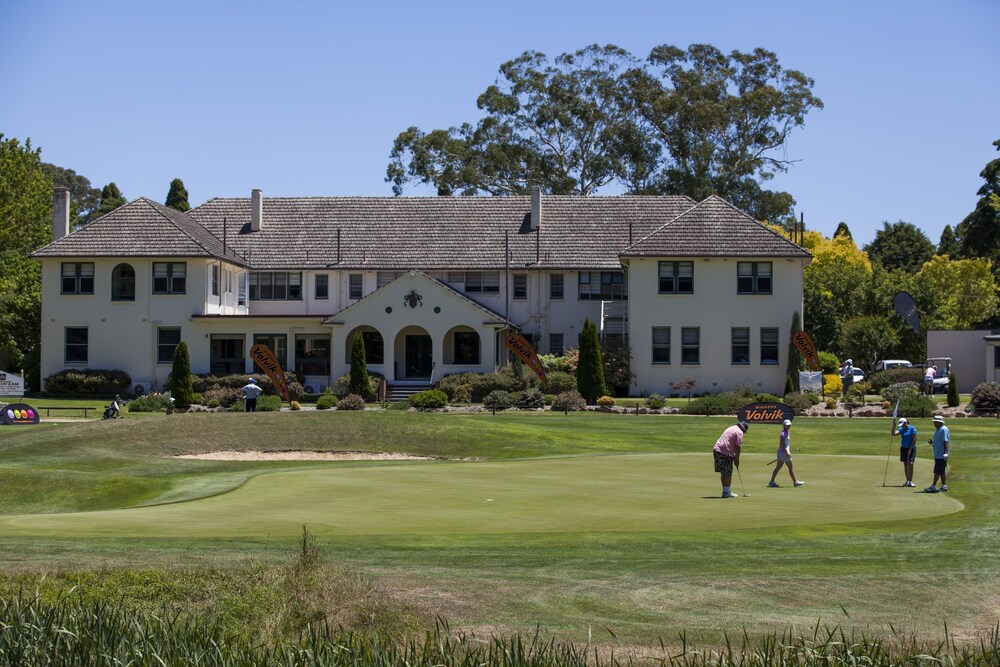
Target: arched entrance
415 351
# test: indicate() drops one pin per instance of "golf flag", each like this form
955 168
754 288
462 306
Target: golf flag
520 346
907 309
805 345
262 354
895 413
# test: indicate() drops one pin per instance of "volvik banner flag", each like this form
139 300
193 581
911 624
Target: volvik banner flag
262 354
520 346
805 345
907 309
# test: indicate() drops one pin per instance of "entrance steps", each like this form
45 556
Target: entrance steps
402 392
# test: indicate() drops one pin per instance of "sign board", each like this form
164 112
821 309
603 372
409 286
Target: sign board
11 384
811 381
765 413
18 413
805 346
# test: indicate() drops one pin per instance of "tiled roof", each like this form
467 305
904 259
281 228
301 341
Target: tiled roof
714 228
141 228
437 233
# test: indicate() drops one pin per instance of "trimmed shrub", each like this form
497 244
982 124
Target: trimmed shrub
560 381
590 370
294 405
207 383
88 382
799 402
767 398
269 404
149 403
832 384
529 399
480 384
569 401
429 400
359 382
985 397
498 399
351 402
606 402
326 401
828 362
655 402
179 383
912 401
723 403
882 379
953 399
224 396
463 394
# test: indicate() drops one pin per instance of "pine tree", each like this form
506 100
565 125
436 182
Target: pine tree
949 244
359 383
590 369
177 197
843 230
111 198
953 399
180 384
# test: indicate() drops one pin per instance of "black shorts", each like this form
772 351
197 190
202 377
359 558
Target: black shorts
907 455
940 466
723 463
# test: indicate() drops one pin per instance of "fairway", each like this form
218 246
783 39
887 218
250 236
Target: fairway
635 493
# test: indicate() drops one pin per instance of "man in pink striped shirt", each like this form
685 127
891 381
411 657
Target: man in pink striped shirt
727 454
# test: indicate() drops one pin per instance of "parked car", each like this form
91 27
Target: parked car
886 364
859 375
941 379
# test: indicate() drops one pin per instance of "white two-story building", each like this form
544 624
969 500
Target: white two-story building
698 290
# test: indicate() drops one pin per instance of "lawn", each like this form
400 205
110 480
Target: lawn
580 524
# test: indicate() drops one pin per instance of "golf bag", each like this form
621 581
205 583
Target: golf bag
108 412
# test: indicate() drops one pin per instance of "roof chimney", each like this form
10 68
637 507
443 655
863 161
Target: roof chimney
536 208
256 210
60 213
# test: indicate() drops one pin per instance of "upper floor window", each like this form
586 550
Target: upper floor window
355 284
769 347
602 286
383 278
215 280
322 286
555 286
753 277
676 277
78 278
276 286
77 343
520 286
169 278
483 282
123 283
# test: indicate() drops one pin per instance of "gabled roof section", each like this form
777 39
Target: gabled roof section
714 228
437 233
141 228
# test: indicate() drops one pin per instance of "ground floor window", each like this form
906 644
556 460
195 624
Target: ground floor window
466 347
167 339
227 356
556 344
690 345
77 344
741 346
277 343
374 347
769 347
312 354
661 345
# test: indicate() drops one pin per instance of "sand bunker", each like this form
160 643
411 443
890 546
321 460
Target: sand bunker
300 455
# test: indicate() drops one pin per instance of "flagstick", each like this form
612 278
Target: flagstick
895 412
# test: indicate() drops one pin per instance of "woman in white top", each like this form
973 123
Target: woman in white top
784 457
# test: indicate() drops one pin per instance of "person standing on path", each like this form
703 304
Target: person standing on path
250 393
907 448
941 442
727 454
847 376
784 457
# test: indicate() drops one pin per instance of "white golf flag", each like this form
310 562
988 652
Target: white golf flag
895 411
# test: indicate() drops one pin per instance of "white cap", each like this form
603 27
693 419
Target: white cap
787 422
902 420
849 361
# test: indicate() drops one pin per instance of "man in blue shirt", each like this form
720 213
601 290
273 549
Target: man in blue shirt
907 448
942 445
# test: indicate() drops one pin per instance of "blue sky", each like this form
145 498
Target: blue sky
304 98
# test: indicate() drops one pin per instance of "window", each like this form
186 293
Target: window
661 345
769 347
167 339
215 280
556 344
741 346
354 286
322 286
690 345
520 286
466 347
383 278
374 347
312 354
241 288
483 282
602 286
76 345
277 343
226 354
275 286
556 286
78 278
169 278
753 277
123 283
676 277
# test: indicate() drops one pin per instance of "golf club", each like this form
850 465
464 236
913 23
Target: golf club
771 462
742 488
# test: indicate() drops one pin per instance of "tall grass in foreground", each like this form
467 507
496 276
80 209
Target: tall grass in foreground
78 632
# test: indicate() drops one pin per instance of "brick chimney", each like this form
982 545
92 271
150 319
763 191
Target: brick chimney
536 208
256 210
60 213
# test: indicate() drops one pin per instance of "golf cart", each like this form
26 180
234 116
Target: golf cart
942 379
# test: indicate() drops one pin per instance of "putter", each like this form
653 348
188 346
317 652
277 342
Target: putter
771 462
742 488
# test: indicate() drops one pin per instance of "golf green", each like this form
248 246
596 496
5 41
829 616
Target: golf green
606 493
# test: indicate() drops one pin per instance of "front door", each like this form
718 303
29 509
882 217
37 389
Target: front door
419 356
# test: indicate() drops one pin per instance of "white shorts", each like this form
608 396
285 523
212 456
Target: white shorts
783 457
